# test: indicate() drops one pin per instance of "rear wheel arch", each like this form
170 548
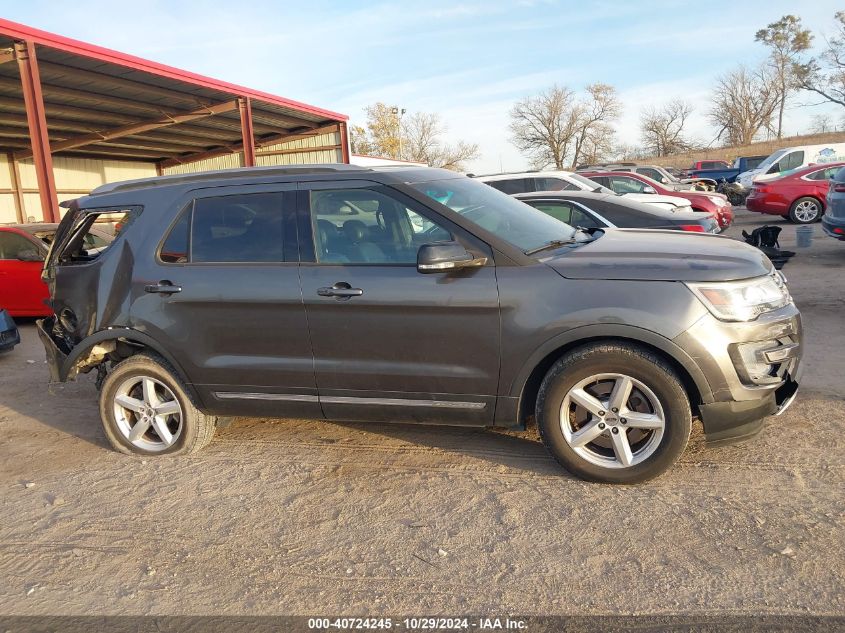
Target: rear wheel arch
532 374
135 342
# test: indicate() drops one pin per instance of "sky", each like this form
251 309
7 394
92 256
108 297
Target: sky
468 61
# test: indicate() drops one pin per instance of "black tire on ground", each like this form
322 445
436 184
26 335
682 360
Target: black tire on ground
197 428
631 360
803 205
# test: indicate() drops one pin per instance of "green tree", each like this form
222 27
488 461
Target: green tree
786 40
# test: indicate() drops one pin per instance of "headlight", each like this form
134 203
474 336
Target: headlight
743 300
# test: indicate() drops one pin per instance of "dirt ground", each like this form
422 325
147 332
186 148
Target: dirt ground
297 517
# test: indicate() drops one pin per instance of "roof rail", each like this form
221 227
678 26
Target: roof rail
224 174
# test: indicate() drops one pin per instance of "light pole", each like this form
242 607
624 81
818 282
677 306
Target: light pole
398 112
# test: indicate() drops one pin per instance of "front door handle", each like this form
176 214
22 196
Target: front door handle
163 287
341 290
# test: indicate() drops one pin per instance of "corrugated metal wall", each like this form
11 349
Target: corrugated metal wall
74 177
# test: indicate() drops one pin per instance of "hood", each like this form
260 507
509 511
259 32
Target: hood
649 255
676 201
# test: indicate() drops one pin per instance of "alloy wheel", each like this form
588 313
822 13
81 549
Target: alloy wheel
612 420
807 210
147 413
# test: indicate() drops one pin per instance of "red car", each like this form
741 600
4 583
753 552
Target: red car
715 204
800 195
709 164
22 251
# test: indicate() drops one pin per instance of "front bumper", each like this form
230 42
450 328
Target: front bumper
753 370
834 227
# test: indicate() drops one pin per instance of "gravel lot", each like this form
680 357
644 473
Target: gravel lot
290 516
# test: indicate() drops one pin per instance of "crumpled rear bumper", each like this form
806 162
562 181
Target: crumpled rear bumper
56 357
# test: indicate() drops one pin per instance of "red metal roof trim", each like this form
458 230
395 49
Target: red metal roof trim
69 45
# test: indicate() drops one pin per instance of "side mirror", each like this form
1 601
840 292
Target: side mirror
29 255
444 257
649 189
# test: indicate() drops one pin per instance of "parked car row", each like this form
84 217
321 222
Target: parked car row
630 185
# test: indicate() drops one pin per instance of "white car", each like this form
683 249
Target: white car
531 181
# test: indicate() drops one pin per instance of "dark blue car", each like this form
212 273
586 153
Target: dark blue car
9 336
833 220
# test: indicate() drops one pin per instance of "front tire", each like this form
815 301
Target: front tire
805 210
613 413
146 410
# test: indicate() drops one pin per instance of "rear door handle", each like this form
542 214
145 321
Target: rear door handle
341 290
163 287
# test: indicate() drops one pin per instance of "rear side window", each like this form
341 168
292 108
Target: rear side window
92 234
511 186
553 184
246 228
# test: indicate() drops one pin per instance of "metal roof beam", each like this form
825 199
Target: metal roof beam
115 153
137 128
99 117
280 120
233 148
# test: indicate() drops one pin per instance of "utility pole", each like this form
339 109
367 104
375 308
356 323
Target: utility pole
398 112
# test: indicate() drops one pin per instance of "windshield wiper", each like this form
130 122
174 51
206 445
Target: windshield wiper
548 245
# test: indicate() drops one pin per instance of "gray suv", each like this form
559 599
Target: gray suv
411 295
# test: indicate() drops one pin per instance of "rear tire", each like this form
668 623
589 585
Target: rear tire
805 210
643 438
146 410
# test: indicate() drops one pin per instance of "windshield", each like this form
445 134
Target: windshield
590 185
507 218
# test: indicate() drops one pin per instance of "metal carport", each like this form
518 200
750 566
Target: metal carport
63 97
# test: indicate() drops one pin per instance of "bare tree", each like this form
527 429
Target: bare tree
595 138
825 76
421 142
822 123
662 128
544 127
416 137
786 40
744 102
557 128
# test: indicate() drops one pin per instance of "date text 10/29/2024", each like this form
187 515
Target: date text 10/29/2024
417 624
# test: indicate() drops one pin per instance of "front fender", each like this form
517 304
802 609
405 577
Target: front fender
594 332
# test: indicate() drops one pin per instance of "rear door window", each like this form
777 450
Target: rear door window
513 185
237 228
553 184
651 173
621 184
